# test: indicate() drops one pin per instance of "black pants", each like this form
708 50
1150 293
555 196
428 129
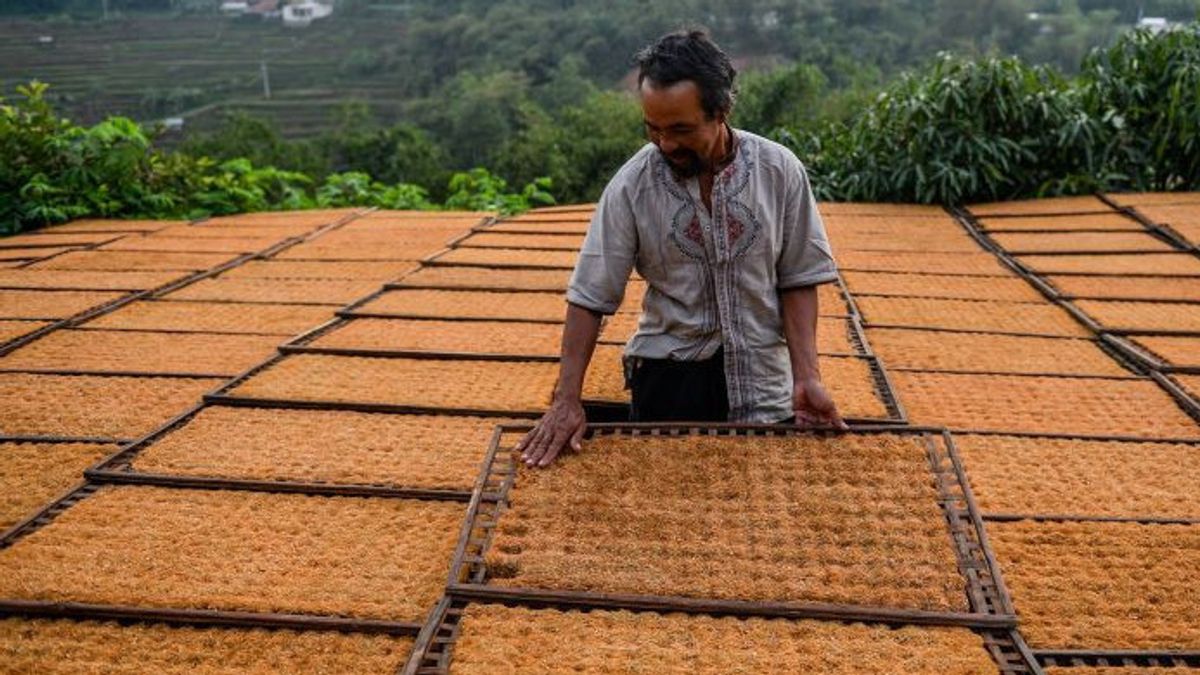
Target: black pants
676 391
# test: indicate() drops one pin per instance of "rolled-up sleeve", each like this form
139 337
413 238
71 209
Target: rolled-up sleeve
806 257
608 253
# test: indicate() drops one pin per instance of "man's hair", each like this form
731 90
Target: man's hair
691 55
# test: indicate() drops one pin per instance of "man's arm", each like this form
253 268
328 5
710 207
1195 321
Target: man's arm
565 421
810 401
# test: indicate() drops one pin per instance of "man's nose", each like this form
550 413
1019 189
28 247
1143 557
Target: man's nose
667 145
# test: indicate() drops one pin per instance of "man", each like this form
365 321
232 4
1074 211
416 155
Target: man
723 226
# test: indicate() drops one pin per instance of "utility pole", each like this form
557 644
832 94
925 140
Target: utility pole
266 79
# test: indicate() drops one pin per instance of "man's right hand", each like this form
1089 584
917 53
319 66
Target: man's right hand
563 424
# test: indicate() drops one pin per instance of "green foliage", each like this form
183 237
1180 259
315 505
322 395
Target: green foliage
480 190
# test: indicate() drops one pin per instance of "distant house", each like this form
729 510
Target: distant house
265 8
234 7
301 14
1156 24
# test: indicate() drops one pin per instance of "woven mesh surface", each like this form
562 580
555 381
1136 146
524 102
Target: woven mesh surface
155 242
509 257
33 474
1140 199
107 225
331 291
849 519
1115 264
30 253
215 316
94 406
503 386
38 278
1191 232
1174 350
942 225
925 263
406 236
38 304
469 304
431 451
1114 585
941 286
100 350
313 269
475 337
207 231
911 241
1143 316
550 216
1013 474
369 252
133 261
1010 317
1153 288
48 236
507 240
1091 221
494 638
930 350
1054 242
233 550
308 218
1178 216
60 647
1040 206
1190 384
10 329
1018 403
482 277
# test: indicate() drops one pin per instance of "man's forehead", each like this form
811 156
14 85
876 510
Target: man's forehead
671 103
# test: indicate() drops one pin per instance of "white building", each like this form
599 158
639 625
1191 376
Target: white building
301 14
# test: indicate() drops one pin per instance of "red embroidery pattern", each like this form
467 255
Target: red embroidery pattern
736 229
693 231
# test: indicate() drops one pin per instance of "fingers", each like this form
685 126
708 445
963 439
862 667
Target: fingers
577 437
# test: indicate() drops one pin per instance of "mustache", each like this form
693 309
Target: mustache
684 163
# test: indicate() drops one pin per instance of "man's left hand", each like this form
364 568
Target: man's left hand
814 406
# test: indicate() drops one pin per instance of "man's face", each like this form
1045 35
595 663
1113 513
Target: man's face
676 123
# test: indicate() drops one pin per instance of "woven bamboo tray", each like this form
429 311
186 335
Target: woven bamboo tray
17 254
1128 288
315 269
553 217
53 647
368 252
39 304
33 277
1190 232
1084 478
1173 350
93 406
33 474
1092 221
154 242
846 519
519 387
207 231
1143 317
976 264
556 227
1140 199
307 218
941 224
941 286
970 315
486 239
143 352
879 209
495 638
509 257
239 551
112 225
1114 585
321 446
960 242
941 350
12 329
1175 215
833 333
1087 204
1059 405
1190 384
133 261
1117 264
447 337
215 316
485 278
326 291
48 237
468 304
386 217
1096 242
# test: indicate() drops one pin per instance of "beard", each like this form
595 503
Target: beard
684 163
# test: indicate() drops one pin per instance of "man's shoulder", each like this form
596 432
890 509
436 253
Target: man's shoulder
767 152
